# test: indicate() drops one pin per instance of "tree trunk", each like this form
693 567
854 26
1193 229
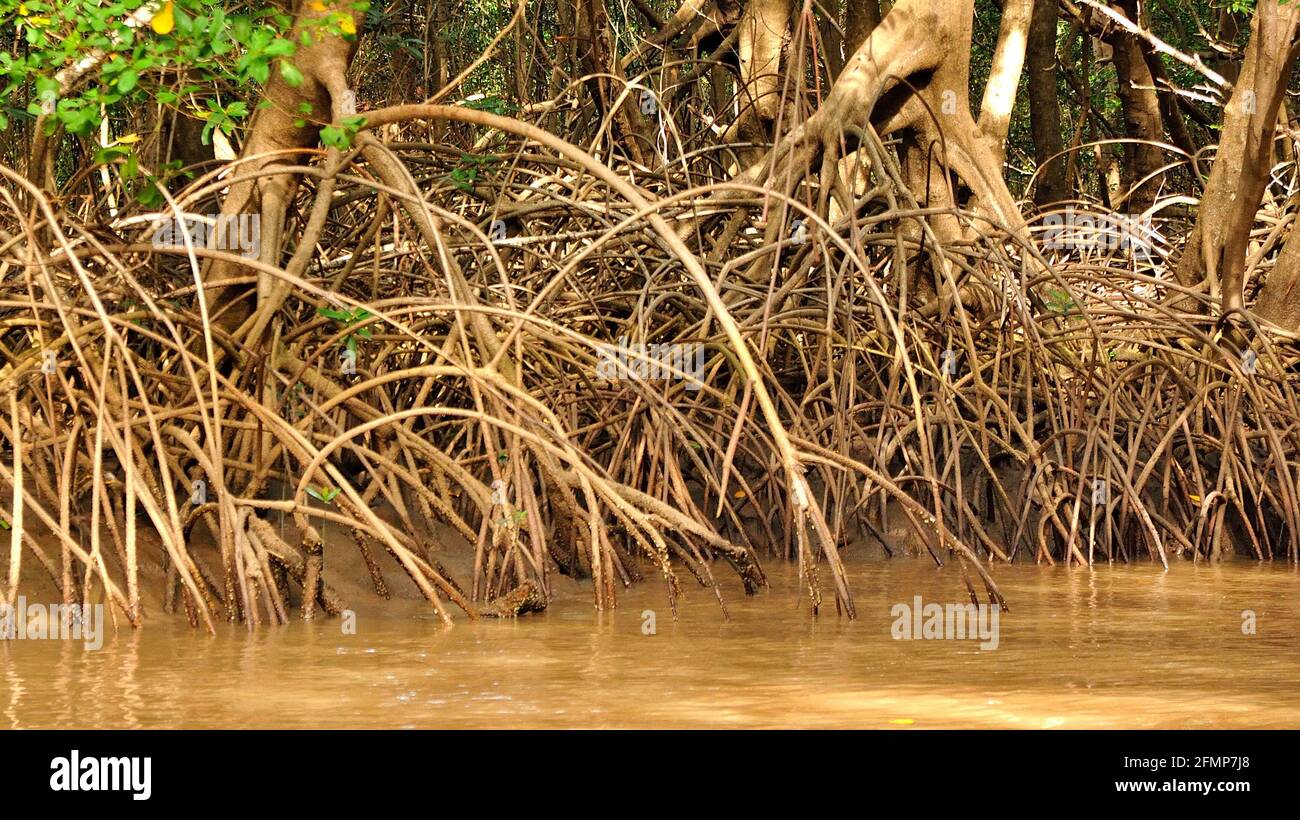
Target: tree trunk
1045 106
601 65
274 139
1216 249
1279 301
1004 77
1142 120
927 44
1230 23
1171 111
764 27
860 19
911 78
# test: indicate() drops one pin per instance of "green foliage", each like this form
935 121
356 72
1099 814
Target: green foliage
340 136
223 117
324 494
492 104
210 57
514 520
466 174
1060 301
200 42
349 319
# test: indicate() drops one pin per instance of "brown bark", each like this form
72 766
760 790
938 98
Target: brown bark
910 78
860 19
830 41
764 28
274 139
1230 23
438 58
1279 301
1044 106
1216 249
1004 76
1171 111
605 81
183 140
1143 125
925 44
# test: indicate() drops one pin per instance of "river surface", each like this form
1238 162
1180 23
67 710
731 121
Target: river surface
1118 647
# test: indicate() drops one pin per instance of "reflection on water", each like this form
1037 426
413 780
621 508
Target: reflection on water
1116 647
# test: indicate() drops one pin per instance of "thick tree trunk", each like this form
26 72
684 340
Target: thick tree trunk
1045 106
1142 121
830 40
927 44
764 28
274 139
1004 77
1216 249
1279 301
860 19
911 78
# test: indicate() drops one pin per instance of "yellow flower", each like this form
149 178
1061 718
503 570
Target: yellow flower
165 20
347 25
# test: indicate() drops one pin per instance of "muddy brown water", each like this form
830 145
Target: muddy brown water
1117 647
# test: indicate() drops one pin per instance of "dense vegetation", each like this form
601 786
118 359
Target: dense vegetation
1017 277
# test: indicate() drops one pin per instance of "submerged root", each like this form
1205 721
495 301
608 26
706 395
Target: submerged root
521 600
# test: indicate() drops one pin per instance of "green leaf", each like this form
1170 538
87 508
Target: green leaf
291 75
127 81
280 47
47 89
333 313
335 137
325 494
